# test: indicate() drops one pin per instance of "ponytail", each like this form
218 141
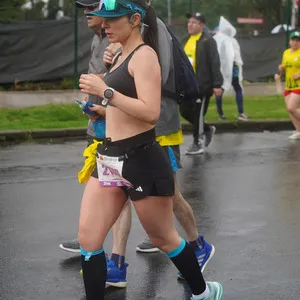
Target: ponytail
151 30
150 35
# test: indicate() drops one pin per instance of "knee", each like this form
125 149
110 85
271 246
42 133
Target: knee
88 241
84 241
291 108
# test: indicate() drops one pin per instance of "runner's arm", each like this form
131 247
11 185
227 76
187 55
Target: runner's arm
148 87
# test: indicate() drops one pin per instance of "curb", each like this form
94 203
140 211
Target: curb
49 134
80 133
251 126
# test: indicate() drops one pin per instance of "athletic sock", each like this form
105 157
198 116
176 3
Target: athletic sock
119 260
204 295
185 260
94 274
197 244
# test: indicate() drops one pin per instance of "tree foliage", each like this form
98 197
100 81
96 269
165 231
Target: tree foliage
52 9
36 12
271 10
10 10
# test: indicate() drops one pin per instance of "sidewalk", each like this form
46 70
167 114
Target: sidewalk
80 133
24 99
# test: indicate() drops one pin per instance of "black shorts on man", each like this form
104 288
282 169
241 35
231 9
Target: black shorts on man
173 155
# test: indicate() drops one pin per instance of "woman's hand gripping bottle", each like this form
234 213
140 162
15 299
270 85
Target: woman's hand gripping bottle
99 124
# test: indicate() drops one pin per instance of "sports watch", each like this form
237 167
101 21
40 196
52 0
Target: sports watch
107 95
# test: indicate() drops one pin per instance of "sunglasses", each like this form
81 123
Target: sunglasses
111 5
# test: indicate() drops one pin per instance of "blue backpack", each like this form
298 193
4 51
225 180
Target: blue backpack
186 82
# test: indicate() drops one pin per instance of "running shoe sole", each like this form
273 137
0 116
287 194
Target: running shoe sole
194 152
294 137
152 250
212 253
242 119
121 284
61 246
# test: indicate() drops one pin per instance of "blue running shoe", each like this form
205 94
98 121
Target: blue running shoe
216 291
116 277
204 255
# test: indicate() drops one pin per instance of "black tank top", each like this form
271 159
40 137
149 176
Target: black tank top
120 78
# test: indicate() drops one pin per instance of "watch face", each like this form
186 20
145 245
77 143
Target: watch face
108 93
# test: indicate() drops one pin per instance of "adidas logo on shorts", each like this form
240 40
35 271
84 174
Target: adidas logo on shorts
139 189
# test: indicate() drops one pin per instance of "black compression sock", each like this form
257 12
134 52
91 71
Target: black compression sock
94 275
185 260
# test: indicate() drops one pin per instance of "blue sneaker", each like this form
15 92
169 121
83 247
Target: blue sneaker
116 277
204 255
216 291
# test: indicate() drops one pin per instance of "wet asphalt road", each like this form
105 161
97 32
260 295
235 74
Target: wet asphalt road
244 192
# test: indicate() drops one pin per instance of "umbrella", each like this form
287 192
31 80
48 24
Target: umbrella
281 28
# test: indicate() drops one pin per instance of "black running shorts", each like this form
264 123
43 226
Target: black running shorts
145 166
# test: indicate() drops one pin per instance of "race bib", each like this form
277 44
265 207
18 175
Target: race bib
110 171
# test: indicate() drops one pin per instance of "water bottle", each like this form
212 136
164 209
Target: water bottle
84 105
99 124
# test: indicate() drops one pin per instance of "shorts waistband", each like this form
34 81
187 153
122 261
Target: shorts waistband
142 139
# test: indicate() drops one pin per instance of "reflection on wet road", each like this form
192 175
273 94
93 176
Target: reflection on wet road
244 192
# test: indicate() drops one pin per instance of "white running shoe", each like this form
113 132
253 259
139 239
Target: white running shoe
295 135
216 291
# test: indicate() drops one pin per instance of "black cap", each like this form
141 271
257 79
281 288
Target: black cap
197 16
87 3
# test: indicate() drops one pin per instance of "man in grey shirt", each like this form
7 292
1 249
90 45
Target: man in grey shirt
99 44
169 124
